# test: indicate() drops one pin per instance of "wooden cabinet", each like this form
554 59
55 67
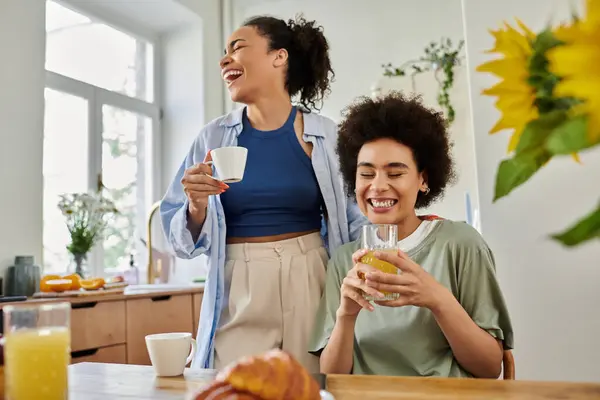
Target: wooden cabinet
158 314
97 324
111 328
112 354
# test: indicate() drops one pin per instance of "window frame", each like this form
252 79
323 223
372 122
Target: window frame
98 97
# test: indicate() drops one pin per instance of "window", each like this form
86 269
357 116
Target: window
95 53
101 122
65 169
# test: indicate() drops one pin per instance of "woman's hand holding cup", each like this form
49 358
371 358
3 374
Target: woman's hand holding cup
198 184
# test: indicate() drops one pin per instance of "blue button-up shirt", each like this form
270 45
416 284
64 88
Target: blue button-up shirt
343 223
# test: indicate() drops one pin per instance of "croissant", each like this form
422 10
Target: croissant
275 375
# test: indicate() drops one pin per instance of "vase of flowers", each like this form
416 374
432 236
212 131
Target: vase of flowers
549 97
86 217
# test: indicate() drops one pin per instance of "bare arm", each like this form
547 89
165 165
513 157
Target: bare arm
195 221
337 357
475 350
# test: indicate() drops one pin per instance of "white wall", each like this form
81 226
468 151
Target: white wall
193 95
212 48
22 45
184 113
553 293
365 34
182 96
452 205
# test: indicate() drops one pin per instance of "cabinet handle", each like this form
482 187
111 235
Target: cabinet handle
89 304
161 298
83 353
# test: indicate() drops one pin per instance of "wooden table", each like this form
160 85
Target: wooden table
95 381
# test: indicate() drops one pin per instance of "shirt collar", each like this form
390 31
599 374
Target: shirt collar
312 122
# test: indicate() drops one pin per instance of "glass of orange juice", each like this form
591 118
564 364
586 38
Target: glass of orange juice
37 351
380 237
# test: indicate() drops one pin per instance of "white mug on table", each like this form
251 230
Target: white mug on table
170 353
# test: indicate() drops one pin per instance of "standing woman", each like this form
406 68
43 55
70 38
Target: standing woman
267 237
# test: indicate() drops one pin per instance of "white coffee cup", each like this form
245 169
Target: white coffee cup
170 353
230 163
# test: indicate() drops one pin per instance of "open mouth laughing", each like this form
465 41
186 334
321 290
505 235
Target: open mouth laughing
231 75
382 205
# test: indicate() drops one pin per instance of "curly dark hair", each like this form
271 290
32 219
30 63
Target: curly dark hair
407 121
309 71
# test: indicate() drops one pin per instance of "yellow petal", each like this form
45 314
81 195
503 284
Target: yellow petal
574 59
508 68
514 140
510 43
576 158
582 87
508 87
528 32
501 124
593 12
523 43
594 124
497 39
515 105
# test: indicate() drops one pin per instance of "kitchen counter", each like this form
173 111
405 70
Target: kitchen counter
96 381
111 296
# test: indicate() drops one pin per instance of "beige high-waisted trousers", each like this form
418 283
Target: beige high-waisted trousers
275 289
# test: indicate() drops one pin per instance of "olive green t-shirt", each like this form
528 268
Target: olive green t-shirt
407 340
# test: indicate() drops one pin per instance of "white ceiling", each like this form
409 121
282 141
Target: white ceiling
155 16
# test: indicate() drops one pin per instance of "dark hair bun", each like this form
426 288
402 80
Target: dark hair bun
310 67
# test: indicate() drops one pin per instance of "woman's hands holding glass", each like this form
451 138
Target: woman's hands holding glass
354 288
414 285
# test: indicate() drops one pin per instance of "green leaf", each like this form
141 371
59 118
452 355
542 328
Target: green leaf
536 132
515 171
570 137
586 229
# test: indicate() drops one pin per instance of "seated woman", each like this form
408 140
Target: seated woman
450 318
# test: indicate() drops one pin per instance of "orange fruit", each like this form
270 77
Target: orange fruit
59 285
43 285
75 281
92 284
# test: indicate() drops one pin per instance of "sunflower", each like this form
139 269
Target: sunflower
576 62
516 98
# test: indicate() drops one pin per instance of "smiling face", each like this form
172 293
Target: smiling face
249 68
387 181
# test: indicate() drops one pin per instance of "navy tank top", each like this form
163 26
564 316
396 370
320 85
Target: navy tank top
279 193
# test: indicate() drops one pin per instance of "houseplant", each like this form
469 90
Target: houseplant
441 58
86 217
549 98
